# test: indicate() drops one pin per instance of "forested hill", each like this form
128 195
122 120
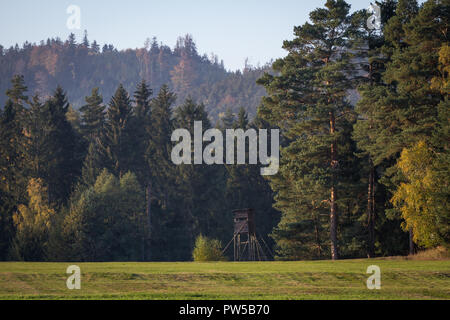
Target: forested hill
79 67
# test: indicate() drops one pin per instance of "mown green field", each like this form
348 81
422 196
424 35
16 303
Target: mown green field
400 279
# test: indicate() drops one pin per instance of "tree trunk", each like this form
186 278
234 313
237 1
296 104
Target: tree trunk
333 225
371 213
333 212
411 242
149 221
319 245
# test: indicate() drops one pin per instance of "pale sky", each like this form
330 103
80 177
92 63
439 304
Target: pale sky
232 29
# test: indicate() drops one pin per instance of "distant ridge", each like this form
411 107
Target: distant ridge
79 67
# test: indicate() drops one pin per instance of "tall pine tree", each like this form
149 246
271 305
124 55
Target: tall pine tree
308 100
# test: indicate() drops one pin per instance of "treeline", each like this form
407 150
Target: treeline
99 185
371 180
79 67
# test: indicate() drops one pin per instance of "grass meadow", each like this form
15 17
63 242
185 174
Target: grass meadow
346 279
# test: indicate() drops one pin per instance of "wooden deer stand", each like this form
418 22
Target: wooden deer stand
245 243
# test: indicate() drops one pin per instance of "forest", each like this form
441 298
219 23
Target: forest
79 67
88 176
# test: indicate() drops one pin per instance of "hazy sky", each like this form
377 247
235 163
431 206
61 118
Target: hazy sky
231 29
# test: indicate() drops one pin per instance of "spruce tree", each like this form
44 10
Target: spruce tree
140 131
66 142
239 190
17 92
363 128
92 129
412 112
160 192
159 149
246 188
197 187
13 178
93 116
93 164
227 120
402 108
117 142
242 119
51 146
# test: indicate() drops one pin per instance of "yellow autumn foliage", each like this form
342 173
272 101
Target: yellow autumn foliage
32 223
420 199
38 211
442 83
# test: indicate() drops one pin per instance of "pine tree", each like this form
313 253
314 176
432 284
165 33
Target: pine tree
402 108
414 63
416 119
363 128
308 101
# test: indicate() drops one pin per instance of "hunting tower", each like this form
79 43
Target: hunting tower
245 243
